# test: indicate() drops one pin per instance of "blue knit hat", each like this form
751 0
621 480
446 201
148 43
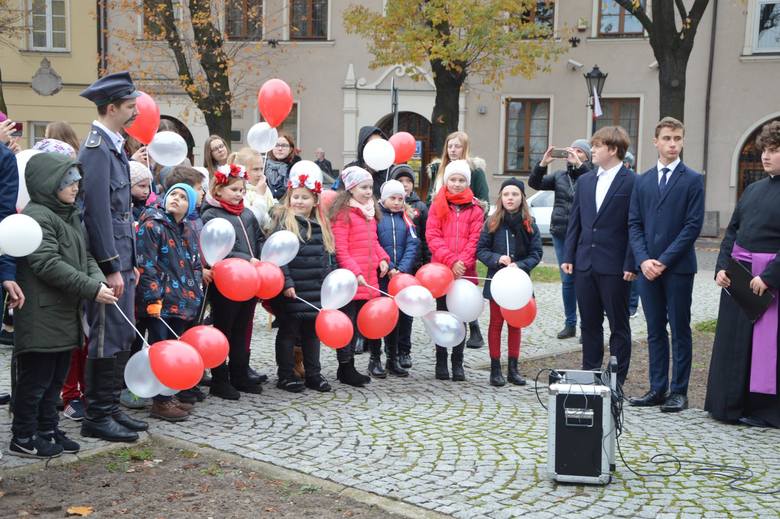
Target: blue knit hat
192 197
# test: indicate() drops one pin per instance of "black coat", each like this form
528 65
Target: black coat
305 273
523 247
419 219
562 182
246 227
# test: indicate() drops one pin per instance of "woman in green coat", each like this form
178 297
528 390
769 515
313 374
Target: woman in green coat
55 279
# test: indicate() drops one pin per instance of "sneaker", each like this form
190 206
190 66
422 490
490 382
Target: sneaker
58 437
34 447
318 383
132 401
168 410
291 384
6 337
74 410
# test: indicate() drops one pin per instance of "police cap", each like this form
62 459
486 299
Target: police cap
113 87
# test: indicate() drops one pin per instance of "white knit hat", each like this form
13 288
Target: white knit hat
139 172
353 176
390 188
460 167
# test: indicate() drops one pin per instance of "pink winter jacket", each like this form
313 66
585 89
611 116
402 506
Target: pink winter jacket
358 249
456 238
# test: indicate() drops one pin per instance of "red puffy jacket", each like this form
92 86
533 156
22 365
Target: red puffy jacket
456 238
358 249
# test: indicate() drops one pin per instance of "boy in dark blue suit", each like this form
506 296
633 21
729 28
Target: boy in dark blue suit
667 212
597 251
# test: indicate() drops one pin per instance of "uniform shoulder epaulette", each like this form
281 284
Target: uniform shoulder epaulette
93 139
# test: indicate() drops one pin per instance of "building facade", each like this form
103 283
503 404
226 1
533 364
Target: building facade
736 58
46 67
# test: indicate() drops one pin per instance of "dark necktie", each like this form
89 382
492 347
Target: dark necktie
664 179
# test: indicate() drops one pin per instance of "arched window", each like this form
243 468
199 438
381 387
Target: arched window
749 166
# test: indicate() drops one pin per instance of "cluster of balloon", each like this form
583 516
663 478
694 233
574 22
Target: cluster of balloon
147 122
513 291
332 326
380 154
169 366
20 235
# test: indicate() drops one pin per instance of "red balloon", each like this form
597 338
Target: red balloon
275 101
435 277
271 280
399 282
404 145
327 197
236 279
377 318
176 364
211 343
334 328
147 121
522 317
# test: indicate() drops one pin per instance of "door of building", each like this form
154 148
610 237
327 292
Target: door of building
420 128
749 166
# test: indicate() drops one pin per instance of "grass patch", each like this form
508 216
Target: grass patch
541 274
706 326
135 454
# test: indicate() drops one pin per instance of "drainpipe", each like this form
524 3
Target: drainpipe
707 100
102 37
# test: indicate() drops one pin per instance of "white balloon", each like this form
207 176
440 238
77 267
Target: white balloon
23 198
511 288
262 137
20 235
415 301
379 154
140 378
166 391
338 288
464 300
280 248
216 240
168 148
445 328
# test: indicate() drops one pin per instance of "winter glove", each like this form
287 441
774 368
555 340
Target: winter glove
154 308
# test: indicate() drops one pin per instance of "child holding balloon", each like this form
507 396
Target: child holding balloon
354 216
299 213
169 287
233 318
452 232
398 237
510 239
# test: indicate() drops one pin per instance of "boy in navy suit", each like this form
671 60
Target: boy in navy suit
598 253
667 212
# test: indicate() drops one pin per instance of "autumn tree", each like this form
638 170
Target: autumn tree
672 29
456 39
12 26
183 44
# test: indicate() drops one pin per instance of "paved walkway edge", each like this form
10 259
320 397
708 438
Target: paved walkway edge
272 471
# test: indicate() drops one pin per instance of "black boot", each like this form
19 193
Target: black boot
393 362
119 379
375 368
513 375
360 344
475 336
220 384
405 360
458 375
496 378
347 374
442 372
99 393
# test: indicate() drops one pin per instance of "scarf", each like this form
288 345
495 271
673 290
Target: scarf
514 222
235 209
368 209
440 206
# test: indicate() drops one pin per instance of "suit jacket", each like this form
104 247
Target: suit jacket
598 240
665 226
106 199
9 191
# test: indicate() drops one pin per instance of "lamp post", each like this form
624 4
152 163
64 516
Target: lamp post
594 80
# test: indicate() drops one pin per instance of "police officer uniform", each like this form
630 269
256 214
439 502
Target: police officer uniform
108 220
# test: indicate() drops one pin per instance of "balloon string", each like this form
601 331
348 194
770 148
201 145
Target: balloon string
475 277
380 291
169 328
202 313
146 344
308 303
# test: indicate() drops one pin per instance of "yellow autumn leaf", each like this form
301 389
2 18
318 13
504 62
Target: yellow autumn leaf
81 511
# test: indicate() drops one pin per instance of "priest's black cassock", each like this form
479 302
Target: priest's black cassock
755 227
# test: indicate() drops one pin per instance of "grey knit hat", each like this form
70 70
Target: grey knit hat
582 144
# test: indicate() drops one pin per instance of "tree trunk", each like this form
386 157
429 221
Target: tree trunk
446 108
671 82
3 108
219 122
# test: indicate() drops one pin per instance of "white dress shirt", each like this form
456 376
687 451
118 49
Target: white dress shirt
604 179
671 168
117 139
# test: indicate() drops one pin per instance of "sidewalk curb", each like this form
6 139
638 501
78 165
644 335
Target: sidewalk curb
272 471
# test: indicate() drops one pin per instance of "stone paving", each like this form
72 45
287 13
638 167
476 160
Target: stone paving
471 450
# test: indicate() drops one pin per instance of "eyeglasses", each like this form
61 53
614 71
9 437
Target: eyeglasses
281 145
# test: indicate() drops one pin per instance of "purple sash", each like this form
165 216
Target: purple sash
763 362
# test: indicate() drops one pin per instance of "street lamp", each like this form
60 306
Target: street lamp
595 80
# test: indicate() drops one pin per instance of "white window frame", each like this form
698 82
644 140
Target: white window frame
31 126
594 25
751 29
502 129
49 34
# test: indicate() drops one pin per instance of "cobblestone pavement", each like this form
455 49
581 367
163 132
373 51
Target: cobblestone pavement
471 450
